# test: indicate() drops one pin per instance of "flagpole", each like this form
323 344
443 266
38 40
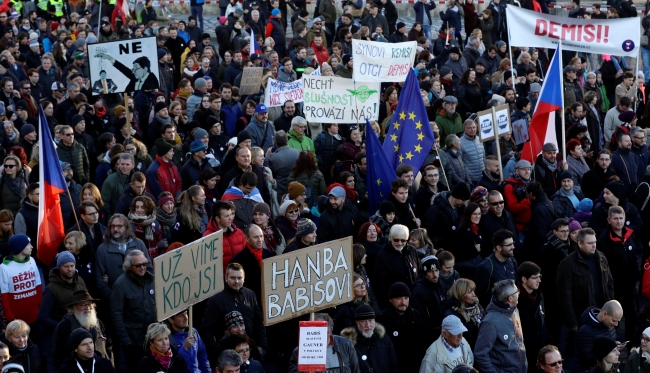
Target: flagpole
562 94
512 66
73 210
442 167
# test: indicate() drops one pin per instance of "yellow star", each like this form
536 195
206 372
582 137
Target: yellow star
378 181
393 137
409 155
418 148
396 148
420 136
418 125
401 158
402 116
412 116
396 125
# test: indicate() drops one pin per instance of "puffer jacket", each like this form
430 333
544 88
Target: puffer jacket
164 177
461 172
378 350
75 155
344 350
473 153
193 103
563 206
261 133
590 328
500 344
234 241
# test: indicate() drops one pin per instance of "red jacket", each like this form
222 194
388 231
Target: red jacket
322 55
165 178
520 209
234 241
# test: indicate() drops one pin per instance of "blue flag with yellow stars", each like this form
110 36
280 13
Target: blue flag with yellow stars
409 136
379 173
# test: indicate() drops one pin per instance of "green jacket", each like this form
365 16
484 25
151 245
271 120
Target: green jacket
305 144
113 189
75 155
448 125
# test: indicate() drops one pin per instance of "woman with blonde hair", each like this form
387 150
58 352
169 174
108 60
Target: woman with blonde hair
75 242
22 349
90 192
464 305
160 355
139 152
504 66
192 218
6 231
13 182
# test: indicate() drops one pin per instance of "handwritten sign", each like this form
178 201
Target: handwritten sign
486 121
188 275
329 99
307 280
251 80
374 61
312 348
277 92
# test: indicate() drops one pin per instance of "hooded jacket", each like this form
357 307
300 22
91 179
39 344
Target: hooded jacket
196 357
339 223
108 261
473 153
590 328
448 124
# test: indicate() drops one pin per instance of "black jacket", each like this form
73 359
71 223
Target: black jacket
541 217
590 328
547 178
532 313
410 335
598 221
441 219
491 223
100 365
61 340
624 257
252 269
393 266
150 365
334 224
378 350
594 180
429 300
489 272
30 359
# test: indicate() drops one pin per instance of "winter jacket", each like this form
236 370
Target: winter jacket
393 266
196 357
164 177
594 181
30 358
261 133
378 350
590 328
61 340
624 258
449 124
517 202
546 177
100 364
373 22
491 223
473 153
113 189
334 224
598 221
56 298
490 271
563 206
148 364
461 172
281 163
500 344
252 269
124 203
306 143
441 219
423 8
532 313
625 165
542 216
637 364
193 103
232 71
133 309
109 259
575 287
191 171
20 284
233 112
344 350
437 359
12 197
234 241
75 155
410 335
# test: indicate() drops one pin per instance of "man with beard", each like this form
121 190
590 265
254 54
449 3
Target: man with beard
547 169
90 226
133 303
625 163
491 174
500 265
374 348
81 313
67 206
428 296
339 218
288 113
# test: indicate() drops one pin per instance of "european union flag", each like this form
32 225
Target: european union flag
409 136
379 172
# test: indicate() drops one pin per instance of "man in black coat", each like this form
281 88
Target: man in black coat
613 196
541 217
594 180
500 265
248 261
547 169
234 297
444 215
243 158
83 357
340 219
90 225
491 174
428 296
497 218
176 46
532 311
406 327
594 323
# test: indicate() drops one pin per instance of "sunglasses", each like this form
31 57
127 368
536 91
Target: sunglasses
497 203
556 363
141 265
293 211
399 240
10 166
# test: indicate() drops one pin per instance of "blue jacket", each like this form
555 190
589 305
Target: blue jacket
625 165
193 103
261 133
196 358
233 112
423 8
491 271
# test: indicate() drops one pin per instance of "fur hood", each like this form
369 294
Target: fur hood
351 333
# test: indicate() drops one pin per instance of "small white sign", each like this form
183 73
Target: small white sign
312 348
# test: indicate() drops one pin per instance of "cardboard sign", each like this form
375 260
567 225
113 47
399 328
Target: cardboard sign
620 37
486 123
123 66
277 92
375 61
307 280
312 346
331 99
251 80
520 131
188 275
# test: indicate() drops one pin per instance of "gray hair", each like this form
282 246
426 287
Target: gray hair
229 358
473 40
280 138
636 130
254 12
156 328
298 120
503 289
399 230
72 87
128 259
325 317
591 74
647 171
127 156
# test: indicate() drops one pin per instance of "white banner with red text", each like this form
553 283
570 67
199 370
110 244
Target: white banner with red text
619 37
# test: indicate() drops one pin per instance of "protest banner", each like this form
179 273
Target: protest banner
277 92
123 66
307 280
620 37
374 61
251 80
188 275
486 122
312 346
331 99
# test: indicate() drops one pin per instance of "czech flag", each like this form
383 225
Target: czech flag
254 47
52 183
542 125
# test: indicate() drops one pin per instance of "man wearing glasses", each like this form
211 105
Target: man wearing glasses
70 151
497 218
140 75
89 224
500 344
500 265
132 301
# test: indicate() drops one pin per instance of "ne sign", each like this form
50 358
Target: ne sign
188 275
307 280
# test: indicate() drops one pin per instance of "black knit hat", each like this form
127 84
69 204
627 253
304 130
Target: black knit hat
162 147
399 289
616 188
77 336
602 347
461 191
386 207
364 312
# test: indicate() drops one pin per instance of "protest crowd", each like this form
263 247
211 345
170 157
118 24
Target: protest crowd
447 268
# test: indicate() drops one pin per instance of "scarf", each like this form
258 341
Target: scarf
101 112
164 359
571 196
185 93
474 228
166 221
146 223
257 254
269 237
472 313
201 210
551 166
295 134
164 121
444 36
488 175
15 184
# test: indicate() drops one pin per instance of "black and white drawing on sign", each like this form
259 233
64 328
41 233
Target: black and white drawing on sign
123 66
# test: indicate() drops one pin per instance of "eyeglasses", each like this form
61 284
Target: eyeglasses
139 265
515 293
10 166
92 214
398 240
555 363
645 339
30 88
497 203
359 286
293 211
68 134
564 231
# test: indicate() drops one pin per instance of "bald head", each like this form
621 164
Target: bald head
255 237
611 314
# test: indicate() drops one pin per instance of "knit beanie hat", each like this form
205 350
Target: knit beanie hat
159 106
162 147
295 189
196 146
585 205
461 191
119 110
305 227
574 225
243 136
199 133
18 243
285 205
386 207
616 188
234 318
478 194
77 336
63 258
430 262
263 208
566 175
364 312
11 367
602 347
165 199
200 83
399 289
